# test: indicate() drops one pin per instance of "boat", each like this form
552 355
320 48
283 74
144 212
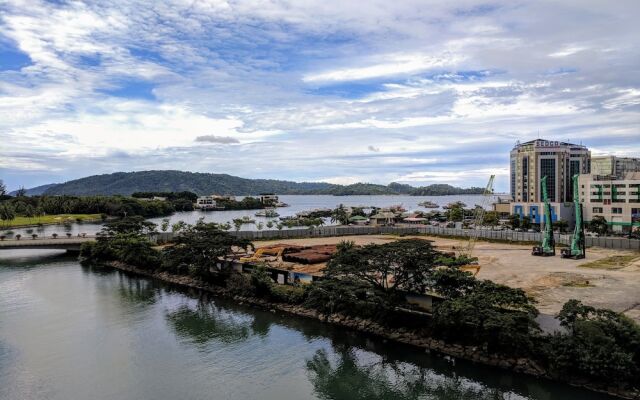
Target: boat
428 204
281 204
268 213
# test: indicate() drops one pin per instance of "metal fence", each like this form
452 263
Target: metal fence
510 236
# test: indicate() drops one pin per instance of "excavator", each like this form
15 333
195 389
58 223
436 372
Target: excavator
577 250
264 251
478 218
547 247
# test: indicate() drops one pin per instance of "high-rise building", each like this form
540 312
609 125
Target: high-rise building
617 167
558 161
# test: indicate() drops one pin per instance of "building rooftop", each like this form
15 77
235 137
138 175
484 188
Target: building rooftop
547 143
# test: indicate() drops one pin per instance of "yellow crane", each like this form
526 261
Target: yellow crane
479 213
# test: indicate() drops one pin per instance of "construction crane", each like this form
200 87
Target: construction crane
577 249
478 217
548 245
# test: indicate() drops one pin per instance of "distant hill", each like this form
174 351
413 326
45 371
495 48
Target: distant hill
35 191
126 183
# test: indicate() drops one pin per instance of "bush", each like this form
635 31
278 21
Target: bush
240 284
129 249
600 345
500 317
348 297
288 294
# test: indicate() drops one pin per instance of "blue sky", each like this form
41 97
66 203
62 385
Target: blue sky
417 92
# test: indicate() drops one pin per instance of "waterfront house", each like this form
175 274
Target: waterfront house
383 218
206 202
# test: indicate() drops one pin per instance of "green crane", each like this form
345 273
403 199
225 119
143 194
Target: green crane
577 249
547 246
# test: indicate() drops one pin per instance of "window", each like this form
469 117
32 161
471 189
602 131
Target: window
513 178
635 211
548 169
525 177
597 210
616 210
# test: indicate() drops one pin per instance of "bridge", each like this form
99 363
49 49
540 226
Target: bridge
69 244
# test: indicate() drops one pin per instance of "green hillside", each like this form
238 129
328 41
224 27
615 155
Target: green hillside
126 183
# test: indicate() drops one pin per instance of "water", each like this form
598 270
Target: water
73 332
297 204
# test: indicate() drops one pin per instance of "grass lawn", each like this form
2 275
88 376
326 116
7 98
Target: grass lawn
49 220
612 262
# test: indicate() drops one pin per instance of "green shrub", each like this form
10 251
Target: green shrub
599 345
240 284
287 294
348 297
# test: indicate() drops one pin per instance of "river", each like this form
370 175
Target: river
296 204
74 332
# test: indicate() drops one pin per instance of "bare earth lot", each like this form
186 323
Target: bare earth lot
606 278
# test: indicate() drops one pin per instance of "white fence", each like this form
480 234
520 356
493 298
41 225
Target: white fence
606 242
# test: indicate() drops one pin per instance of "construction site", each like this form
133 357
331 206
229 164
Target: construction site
605 278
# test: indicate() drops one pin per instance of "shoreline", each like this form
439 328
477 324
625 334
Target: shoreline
399 335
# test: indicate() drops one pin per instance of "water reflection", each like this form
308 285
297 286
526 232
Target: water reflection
350 377
208 321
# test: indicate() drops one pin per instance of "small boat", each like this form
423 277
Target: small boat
428 204
281 204
268 213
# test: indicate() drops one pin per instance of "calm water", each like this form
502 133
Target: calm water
73 332
297 204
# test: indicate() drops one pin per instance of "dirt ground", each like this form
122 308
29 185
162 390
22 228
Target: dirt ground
606 278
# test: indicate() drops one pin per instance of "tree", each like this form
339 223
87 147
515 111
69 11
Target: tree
491 218
400 265
199 247
599 344
526 222
340 215
21 192
131 225
484 312
178 226
514 221
7 212
164 226
455 212
561 225
598 225
3 188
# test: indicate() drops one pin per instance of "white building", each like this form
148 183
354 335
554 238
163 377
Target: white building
615 199
614 166
206 202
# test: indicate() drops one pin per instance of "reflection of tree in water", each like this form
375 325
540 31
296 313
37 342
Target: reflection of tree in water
137 291
351 379
208 321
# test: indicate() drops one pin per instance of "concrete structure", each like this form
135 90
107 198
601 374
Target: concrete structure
559 161
69 244
269 198
614 166
206 202
617 200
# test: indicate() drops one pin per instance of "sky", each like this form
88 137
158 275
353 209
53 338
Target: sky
417 92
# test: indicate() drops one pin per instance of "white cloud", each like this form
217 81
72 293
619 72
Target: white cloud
400 64
298 83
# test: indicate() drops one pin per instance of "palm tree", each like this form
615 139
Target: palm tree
340 215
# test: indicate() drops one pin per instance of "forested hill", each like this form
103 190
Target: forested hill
126 183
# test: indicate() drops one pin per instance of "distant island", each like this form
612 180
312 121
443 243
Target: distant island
126 183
